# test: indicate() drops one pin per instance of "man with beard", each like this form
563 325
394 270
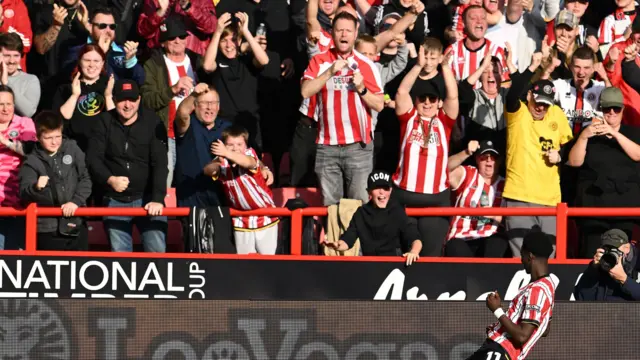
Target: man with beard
58 27
127 156
25 86
467 54
528 317
349 89
536 129
121 60
383 227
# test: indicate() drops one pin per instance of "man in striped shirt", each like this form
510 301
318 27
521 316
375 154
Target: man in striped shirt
467 54
349 89
528 317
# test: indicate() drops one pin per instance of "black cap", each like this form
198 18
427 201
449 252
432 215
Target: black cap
614 238
171 28
125 89
538 243
425 89
378 179
487 146
544 92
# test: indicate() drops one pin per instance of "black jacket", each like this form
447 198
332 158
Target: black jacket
137 151
72 181
381 232
597 285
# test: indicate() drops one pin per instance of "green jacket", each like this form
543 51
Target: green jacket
156 90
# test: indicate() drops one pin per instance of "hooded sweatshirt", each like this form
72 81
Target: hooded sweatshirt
382 232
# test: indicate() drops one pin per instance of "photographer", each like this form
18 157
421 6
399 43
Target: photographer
611 275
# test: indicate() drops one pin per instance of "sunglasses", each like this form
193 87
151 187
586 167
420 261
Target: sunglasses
103 26
616 109
181 37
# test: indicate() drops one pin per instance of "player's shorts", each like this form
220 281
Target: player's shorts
490 350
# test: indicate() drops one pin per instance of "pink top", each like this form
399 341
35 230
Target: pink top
20 129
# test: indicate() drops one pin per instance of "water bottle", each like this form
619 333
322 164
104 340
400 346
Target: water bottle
262 30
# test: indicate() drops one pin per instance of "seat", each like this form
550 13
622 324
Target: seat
312 196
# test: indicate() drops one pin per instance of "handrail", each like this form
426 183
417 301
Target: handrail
561 212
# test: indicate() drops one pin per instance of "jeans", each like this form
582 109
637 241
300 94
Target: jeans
120 229
12 233
172 160
337 166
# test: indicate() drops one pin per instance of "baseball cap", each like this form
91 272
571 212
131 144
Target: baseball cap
544 92
171 29
125 89
611 97
566 17
614 237
538 243
378 179
487 146
425 89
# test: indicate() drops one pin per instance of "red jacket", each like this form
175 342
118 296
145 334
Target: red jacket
16 20
631 97
200 21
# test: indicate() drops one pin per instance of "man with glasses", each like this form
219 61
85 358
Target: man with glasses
197 126
121 60
170 75
536 129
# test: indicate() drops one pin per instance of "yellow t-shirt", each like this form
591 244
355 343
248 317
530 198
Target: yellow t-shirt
529 177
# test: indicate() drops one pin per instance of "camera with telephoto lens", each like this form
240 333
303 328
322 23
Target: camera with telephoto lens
610 257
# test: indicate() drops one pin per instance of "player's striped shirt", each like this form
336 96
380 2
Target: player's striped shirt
474 192
343 116
424 153
613 26
465 62
534 305
20 129
247 190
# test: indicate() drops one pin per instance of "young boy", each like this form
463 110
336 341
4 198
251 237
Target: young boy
238 168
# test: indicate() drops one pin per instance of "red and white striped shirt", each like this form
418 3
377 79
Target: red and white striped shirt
175 72
424 153
20 129
474 192
465 62
343 116
613 26
533 305
247 190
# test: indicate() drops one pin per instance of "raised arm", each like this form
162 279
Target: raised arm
260 56
520 84
384 38
45 41
403 96
186 108
67 109
209 63
451 105
313 25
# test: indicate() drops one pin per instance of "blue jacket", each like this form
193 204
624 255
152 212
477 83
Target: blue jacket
597 285
116 63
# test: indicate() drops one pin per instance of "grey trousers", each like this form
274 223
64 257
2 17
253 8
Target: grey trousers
340 166
519 226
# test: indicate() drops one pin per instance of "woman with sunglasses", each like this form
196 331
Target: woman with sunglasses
606 154
426 120
88 95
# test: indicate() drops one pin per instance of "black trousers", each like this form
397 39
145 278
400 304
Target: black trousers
56 242
302 155
490 350
433 229
494 246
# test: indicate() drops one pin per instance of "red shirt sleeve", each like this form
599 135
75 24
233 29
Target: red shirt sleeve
313 70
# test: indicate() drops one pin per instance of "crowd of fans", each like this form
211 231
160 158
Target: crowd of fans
467 103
